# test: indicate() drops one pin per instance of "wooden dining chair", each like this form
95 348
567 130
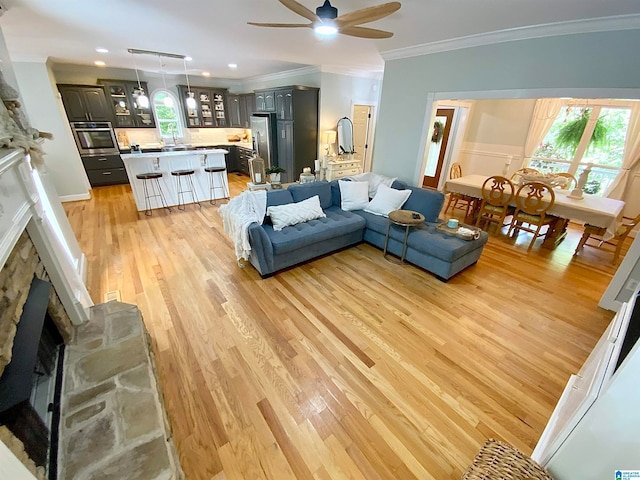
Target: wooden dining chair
598 233
497 193
533 201
465 201
571 182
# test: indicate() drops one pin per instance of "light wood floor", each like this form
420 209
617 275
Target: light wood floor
347 366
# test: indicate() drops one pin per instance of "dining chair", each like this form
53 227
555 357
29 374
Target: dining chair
466 202
497 193
571 182
598 234
533 201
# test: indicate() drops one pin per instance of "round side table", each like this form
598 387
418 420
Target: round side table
406 219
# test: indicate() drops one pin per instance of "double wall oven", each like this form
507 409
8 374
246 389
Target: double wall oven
98 147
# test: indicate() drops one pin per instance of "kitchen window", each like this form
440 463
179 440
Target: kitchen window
585 134
167 115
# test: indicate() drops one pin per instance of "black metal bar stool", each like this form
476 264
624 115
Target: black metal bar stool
219 174
188 188
153 178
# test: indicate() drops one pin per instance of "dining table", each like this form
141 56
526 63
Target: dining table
590 209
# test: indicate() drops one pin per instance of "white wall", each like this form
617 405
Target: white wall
585 61
338 93
46 113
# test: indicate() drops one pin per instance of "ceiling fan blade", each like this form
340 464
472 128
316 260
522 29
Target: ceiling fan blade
281 25
366 15
299 9
364 32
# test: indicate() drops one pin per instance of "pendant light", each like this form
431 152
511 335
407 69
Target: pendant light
190 101
142 100
168 101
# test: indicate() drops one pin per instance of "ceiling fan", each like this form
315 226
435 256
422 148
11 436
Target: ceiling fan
327 22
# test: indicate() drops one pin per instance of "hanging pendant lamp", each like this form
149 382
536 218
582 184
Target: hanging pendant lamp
190 101
142 100
168 101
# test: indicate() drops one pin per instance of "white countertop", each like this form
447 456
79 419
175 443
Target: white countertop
177 153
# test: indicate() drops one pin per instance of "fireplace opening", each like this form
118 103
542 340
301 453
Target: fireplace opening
31 383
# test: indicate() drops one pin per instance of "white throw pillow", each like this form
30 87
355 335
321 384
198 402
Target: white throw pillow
353 195
386 200
375 180
294 213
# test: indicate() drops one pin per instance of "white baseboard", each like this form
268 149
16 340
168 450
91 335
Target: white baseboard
75 198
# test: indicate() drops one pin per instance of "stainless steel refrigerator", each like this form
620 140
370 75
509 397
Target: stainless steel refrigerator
263 134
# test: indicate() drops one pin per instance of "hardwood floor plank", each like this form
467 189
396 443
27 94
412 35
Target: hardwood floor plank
347 366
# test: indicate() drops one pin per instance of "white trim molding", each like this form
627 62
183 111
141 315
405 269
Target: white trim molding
75 198
280 75
591 25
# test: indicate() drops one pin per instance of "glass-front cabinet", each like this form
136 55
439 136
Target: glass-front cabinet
128 111
209 110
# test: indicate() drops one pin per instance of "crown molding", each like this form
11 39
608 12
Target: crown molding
604 24
375 74
284 74
27 58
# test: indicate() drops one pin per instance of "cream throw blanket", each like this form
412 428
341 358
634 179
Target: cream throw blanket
238 214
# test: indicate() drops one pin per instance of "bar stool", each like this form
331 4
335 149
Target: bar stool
219 174
188 188
153 178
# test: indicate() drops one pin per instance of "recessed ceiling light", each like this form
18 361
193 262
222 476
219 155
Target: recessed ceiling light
102 50
188 59
100 63
205 74
233 66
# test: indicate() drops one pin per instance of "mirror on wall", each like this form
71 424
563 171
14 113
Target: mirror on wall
345 136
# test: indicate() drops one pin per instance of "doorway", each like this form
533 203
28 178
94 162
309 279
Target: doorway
362 133
438 147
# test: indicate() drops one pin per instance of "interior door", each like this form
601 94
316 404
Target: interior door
438 143
361 126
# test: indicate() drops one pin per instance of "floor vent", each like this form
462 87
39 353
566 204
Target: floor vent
111 296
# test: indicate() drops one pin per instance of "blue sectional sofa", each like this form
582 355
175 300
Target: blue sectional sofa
440 254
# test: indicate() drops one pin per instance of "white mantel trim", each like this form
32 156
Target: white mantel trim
603 24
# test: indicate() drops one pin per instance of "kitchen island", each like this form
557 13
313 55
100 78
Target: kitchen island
165 163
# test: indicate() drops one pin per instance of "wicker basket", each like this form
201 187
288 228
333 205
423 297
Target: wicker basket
499 461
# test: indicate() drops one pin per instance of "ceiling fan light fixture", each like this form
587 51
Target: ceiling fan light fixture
325 29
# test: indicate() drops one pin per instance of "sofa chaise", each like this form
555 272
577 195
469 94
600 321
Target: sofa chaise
441 254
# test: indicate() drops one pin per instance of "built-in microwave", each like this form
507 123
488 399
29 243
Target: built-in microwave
95 138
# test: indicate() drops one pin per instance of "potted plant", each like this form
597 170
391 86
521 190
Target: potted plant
274 173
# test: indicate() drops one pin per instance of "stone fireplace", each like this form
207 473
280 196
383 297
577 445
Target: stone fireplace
112 421
22 265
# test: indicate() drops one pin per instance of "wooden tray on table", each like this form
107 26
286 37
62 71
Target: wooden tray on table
442 227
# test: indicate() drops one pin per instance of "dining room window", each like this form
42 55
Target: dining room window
582 135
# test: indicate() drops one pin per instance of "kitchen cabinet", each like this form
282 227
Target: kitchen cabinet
244 155
265 101
240 107
122 97
286 151
233 103
104 170
297 128
210 110
84 103
284 104
247 107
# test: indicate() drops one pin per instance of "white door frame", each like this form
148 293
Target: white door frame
370 132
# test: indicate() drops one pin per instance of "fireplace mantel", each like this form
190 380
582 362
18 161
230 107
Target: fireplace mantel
25 204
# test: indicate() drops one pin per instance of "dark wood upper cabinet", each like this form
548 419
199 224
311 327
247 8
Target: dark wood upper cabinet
210 107
123 96
265 101
85 103
235 110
